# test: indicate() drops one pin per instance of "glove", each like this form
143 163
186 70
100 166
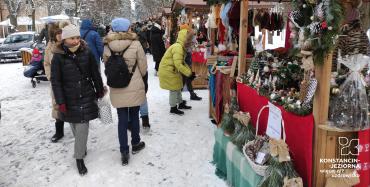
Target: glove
63 108
192 76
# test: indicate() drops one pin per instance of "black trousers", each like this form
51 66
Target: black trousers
187 81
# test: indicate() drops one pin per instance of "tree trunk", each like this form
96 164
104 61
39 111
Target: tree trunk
33 15
76 8
13 21
33 20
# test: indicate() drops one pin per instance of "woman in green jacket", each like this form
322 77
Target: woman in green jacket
171 69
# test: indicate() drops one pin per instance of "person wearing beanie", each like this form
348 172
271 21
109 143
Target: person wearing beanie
173 67
76 84
92 39
127 100
55 33
35 64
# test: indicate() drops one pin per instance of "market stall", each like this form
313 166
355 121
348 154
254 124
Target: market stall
284 95
194 13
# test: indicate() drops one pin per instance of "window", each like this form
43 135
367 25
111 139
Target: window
29 27
18 38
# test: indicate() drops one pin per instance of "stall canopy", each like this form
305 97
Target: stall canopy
20 21
54 18
196 4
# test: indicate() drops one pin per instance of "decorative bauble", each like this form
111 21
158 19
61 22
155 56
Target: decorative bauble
304 5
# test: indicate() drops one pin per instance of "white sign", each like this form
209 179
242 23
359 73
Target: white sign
274 122
260 158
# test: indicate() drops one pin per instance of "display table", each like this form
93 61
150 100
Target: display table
299 129
231 163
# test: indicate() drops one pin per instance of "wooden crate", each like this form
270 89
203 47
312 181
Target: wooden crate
26 57
200 69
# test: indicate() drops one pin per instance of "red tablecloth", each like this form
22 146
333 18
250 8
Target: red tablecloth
198 57
364 158
299 130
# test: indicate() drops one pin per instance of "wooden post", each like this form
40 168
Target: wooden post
243 35
320 112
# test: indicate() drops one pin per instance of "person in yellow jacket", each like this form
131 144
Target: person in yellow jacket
172 67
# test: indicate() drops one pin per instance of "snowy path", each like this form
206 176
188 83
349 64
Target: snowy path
178 153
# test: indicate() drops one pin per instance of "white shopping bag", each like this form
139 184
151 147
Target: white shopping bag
105 112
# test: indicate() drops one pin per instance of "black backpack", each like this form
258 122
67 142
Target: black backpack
116 70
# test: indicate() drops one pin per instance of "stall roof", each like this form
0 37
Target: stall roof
196 4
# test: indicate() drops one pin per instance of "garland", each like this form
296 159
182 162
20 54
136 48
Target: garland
276 172
319 28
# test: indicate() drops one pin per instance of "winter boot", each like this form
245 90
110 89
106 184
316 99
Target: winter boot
138 147
184 106
145 122
81 167
124 158
174 110
193 96
59 131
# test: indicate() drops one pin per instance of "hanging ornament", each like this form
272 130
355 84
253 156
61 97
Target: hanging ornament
315 28
307 62
304 5
312 18
310 93
330 28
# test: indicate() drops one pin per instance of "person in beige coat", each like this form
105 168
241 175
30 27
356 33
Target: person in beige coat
54 32
127 100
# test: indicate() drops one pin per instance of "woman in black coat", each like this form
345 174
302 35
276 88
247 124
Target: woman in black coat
76 84
157 44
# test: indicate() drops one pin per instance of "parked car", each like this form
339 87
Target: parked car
9 49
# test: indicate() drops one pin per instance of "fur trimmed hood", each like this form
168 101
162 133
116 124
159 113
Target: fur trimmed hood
57 48
55 27
120 36
119 41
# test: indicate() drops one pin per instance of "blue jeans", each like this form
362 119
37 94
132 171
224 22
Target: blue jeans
123 117
144 109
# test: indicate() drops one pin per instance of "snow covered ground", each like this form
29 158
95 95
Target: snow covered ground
178 153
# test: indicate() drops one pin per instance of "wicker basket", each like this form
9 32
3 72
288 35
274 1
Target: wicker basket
259 169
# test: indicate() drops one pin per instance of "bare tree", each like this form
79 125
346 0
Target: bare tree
148 8
13 7
103 11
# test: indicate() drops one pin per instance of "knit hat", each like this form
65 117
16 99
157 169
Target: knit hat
120 25
70 31
35 51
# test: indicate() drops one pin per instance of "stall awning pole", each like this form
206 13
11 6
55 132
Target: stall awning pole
243 36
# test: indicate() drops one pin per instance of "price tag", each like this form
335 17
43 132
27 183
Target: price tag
274 122
260 158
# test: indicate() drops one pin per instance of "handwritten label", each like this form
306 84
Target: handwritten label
274 122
